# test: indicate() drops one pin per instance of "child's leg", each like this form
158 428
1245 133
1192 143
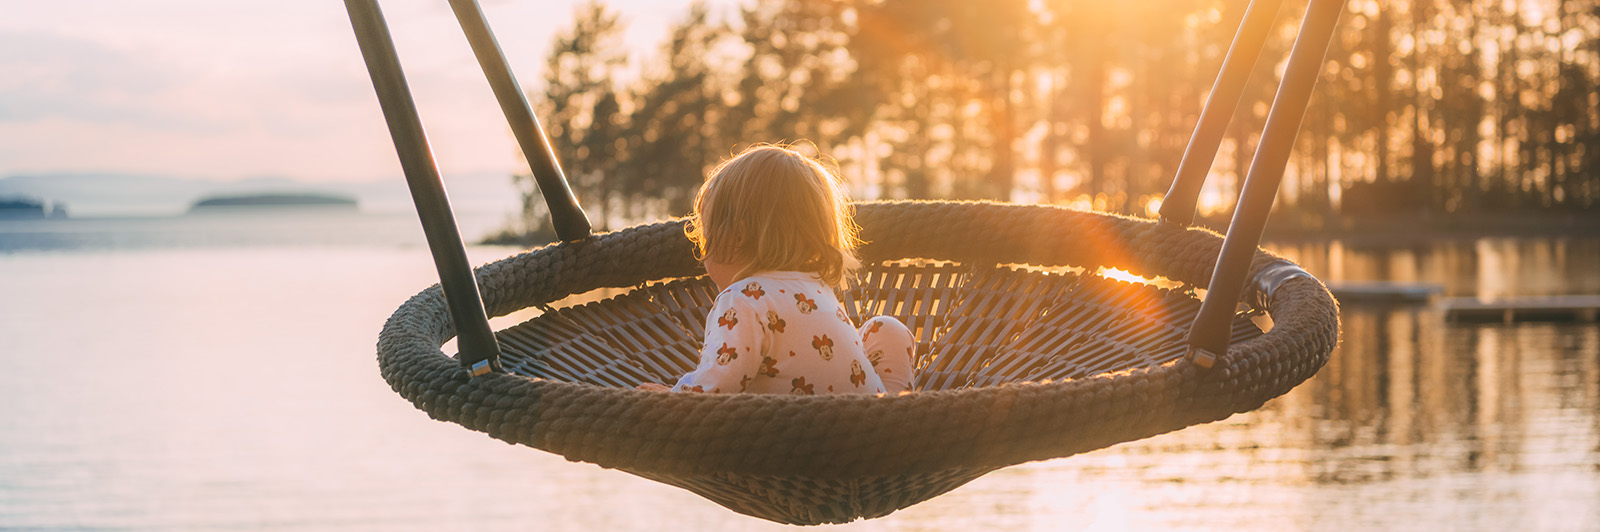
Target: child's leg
889 346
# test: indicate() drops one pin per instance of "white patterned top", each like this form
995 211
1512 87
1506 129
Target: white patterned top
780 333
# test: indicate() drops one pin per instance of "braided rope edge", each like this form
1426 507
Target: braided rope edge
848 436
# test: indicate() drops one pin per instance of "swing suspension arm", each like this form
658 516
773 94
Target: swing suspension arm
1210 333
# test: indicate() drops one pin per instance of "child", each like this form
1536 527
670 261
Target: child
774 230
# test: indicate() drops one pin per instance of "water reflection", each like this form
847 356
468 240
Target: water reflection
236 388
1415 422
1486 268
1470 399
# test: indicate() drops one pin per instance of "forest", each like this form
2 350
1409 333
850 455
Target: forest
1439 109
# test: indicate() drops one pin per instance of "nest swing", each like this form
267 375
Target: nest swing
1024 352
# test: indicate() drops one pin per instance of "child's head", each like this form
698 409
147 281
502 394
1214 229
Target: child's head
772 208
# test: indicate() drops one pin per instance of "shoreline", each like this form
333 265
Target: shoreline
1422 229
1284 228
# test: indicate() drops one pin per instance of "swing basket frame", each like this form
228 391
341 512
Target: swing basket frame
1024 352
835 458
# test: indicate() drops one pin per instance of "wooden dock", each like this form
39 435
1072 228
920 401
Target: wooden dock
1384 293
1574 308
1583 309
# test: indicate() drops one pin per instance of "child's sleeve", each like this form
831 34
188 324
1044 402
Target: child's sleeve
735 342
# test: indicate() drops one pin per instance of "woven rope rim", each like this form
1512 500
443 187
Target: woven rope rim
850 436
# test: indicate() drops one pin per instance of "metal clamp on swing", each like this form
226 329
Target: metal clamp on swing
481 368
1201 357
1269 278
1259 296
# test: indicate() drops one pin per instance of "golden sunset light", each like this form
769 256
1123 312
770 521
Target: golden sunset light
773 265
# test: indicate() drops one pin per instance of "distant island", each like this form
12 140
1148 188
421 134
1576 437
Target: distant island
320 201
25 208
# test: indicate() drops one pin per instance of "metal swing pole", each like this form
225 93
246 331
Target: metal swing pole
479 351
1209 335
566 216
1178 206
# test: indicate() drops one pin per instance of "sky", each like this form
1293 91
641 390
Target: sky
202 89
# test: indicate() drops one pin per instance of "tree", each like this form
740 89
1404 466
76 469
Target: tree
673 130
1448 107
583 108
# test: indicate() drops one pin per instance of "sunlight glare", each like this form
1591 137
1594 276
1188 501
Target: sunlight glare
1123 275
1152 206
1211 202
1081 203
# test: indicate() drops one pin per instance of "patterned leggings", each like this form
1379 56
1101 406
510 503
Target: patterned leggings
890 346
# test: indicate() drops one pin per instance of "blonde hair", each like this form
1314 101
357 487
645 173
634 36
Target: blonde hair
771 208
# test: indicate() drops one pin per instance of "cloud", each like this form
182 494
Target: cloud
71 103
56 76
220 90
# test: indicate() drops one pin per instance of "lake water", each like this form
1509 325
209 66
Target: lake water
218 374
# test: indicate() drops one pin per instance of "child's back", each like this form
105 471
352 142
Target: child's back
774 230
782 332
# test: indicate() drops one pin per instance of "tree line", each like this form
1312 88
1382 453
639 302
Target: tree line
1444 107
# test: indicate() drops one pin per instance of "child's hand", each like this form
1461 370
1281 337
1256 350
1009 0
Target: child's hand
653 387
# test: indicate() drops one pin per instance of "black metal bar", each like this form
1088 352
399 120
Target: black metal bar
1209 336
1179 204
479 350
565 215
